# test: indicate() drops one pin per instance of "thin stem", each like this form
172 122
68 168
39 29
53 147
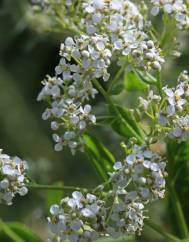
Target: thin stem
159 230
51 187
110 101
117 76
10 233
179 212
120 239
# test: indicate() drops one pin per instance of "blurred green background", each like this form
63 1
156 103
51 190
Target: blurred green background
26 56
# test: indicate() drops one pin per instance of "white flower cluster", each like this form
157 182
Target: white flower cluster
47 4
12 178
81 60
175 8
151 98
77 219
142 169
123 24
171 110
127 217
139 179
112 27
175 115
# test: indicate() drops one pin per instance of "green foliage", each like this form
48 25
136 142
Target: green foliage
117 89
125 125
133 82
53 196
100 157
178 169
17 232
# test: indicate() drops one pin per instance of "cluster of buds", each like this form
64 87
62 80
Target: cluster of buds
137 180
12 178
176 8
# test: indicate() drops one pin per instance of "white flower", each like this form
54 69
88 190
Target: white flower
12 178
175 8
75 219
142 167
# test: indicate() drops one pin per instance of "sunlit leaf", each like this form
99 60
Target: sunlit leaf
133 82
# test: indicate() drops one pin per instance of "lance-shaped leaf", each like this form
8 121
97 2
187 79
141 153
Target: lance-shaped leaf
99 155
17 232
126 125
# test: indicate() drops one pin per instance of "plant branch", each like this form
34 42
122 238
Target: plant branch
110 101
120 239
51 187
116 78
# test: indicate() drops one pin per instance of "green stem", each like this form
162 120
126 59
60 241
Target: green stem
117 76
179 212
120 239
159 230
10 233
159 84
51 187
110 101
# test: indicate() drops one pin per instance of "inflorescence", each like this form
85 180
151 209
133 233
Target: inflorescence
108 31
12 178
134 182
177 9
171 110
112 30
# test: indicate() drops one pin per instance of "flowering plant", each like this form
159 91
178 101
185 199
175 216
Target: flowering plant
107 35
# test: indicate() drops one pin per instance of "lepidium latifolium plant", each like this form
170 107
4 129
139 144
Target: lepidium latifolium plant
106 35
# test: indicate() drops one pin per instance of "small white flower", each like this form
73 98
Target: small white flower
12 178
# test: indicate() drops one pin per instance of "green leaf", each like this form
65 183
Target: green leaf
117 89
54 197
124 128
99 155
133 82
17 232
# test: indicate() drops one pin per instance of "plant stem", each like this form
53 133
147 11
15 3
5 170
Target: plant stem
10 233
159 84
117 76
120 239
159 230
51 187
110 101
179 212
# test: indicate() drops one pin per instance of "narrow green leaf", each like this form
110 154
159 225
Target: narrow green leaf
23 232
123 128
100 157
7 234
117 89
